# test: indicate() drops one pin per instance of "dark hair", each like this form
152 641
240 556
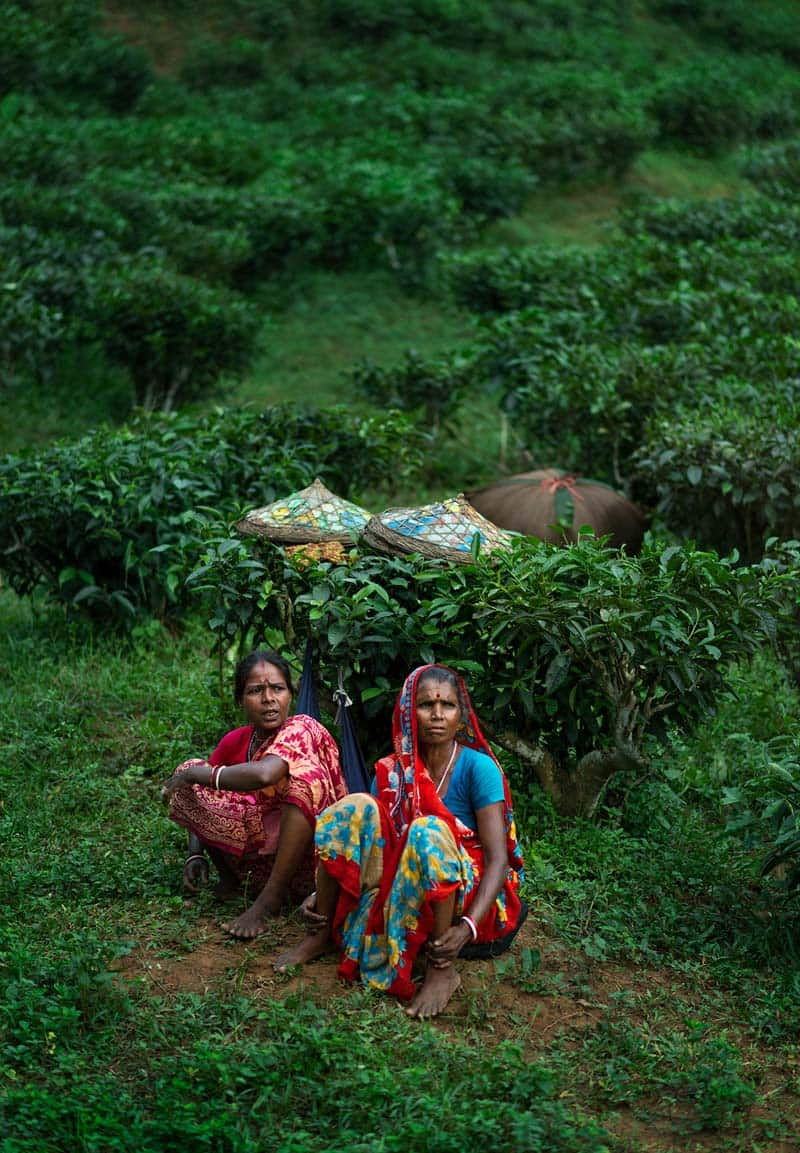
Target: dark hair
248 663
445 676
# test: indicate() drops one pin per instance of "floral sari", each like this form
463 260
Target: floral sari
245 826
394 855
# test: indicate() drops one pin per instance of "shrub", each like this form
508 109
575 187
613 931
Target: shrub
769 26
580 400
727 479
375 208
239 62
508 280
31 332
775 169
112 523
575 656
42 147
591 123
488 186
430 390
744 217
360 18
176 336
56 52
712 101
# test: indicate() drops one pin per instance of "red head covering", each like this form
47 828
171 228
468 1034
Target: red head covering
403 779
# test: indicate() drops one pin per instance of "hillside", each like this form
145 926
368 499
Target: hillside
407 247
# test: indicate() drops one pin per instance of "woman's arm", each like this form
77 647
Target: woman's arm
235 778
492 834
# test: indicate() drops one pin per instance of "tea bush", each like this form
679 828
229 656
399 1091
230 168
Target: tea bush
575 657
746 217
728 478
508 280
239 62
111 524
57 52
770 26
709 101
175 335
431 391
774 169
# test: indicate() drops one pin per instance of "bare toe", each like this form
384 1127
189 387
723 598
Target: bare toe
246 927
435 992
313 945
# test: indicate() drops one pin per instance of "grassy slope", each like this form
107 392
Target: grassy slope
649 1005
313 334
654 996
329 322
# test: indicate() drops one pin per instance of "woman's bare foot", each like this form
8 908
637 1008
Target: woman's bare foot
311 946
435 992
251 923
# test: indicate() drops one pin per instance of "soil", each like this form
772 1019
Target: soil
213 960
538 993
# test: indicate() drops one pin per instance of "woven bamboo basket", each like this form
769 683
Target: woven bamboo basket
445 529
311 515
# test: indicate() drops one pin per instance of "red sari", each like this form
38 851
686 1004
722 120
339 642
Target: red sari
396 854
245 826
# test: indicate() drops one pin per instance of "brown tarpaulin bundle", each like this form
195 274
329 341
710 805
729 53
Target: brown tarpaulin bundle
553 505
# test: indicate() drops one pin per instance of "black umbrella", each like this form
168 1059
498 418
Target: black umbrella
353 766
307 699
354 769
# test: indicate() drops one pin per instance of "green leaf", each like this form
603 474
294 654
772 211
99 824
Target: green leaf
337 633
564 507
372 693
557 672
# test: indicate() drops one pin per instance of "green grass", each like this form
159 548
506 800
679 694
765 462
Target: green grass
653 1009
330 321
585 216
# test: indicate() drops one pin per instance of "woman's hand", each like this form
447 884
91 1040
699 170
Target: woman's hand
312 920
195 872
176 781
447 947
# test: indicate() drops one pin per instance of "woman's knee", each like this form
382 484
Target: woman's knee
294 820
424 831
351 816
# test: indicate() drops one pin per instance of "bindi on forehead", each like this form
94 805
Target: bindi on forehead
436 692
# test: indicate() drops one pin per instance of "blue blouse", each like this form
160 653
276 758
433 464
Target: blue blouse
476 782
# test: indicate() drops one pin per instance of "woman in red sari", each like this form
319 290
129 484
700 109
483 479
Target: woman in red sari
428 864
253 805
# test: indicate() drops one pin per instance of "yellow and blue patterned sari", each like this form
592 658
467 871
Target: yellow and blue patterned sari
396 853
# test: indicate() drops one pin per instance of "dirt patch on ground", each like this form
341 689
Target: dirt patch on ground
531 994
542 995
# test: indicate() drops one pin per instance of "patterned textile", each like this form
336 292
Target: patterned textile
396 854
245 826
445 528
312 514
